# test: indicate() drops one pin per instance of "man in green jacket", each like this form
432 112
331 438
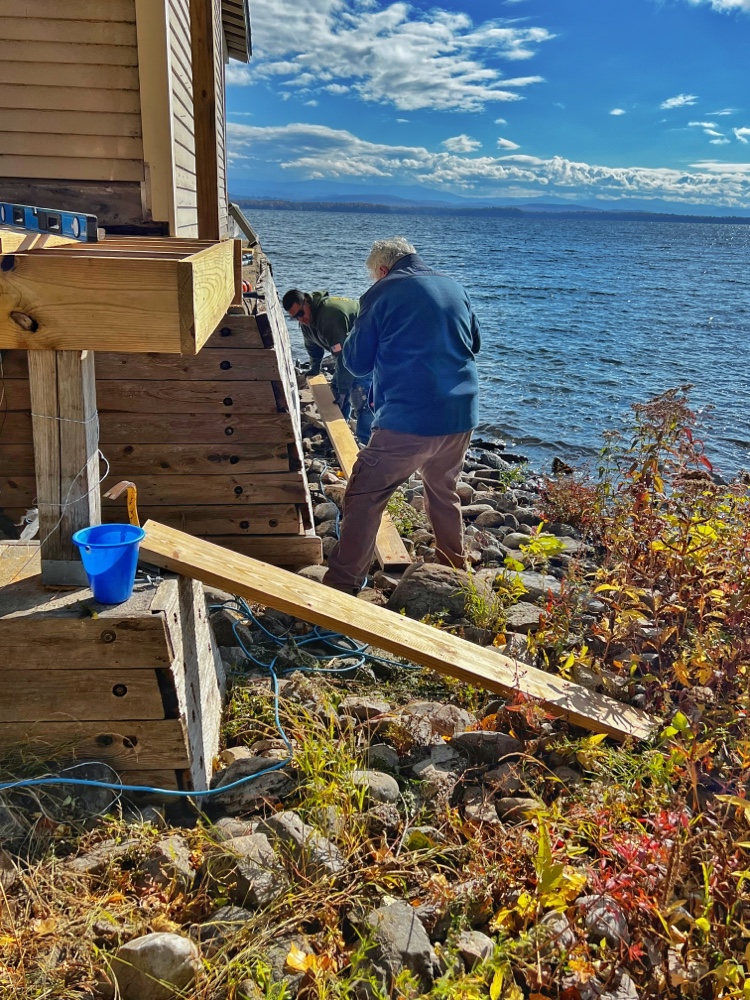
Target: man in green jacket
326 322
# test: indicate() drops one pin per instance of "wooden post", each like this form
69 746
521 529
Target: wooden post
203 45
66 457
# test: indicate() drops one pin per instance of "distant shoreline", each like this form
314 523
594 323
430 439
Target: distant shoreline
501 211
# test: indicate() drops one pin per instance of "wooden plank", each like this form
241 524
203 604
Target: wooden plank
44 641
413 640
204 98
104 77
80 695
137 744
236 332
210 274
113 203
230 364
174 305
292 551
206 519
128 461
77 10
71 122
389 548
65 31
186 397
85 147
44 403
268 487
50 98
179 428
57 53
156 110
68 168
157 779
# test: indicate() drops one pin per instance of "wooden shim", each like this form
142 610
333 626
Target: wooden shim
186 397
79 695
389 549
292 551
413 640
157 744
207 519
132 460
41 641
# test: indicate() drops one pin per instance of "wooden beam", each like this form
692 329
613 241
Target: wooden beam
44 642
156 744
215 519
55 299
413 640
204 54
389 549
85 695
66 443
291 551
157 121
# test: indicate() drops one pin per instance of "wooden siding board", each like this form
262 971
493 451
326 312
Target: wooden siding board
102 77
76 10
50 98
67 168
59 30
90 123
107 147
71 53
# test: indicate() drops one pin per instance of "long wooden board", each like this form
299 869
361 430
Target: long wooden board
44 642
208 519
389 549
156 744
276 588
60 695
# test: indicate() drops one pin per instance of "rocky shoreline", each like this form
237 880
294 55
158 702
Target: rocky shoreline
407 835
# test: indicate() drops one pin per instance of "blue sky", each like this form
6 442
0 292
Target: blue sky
593 101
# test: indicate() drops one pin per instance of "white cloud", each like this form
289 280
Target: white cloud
507 144
702 124
316 151
742 134
724 6
618 111
500 121
681 101
402 121
725 111
461 144
337 88
397 54
311 104
719 142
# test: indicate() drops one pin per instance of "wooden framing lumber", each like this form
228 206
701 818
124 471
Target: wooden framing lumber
162 297
95 695
389 549
44 642
415 641
66 457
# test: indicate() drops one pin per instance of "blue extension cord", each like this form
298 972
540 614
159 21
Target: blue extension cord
318 635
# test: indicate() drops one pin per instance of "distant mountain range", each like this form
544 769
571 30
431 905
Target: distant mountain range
326 195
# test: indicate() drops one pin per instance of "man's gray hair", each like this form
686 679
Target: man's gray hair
385 253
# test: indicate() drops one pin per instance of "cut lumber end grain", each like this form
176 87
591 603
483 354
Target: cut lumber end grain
417 642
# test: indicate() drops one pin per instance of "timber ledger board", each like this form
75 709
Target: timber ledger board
419 643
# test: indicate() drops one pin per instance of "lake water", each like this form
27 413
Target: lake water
580 318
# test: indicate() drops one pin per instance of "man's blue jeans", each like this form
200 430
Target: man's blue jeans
357 403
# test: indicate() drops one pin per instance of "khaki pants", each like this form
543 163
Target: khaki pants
387 462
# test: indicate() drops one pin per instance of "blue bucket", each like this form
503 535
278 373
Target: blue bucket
110 555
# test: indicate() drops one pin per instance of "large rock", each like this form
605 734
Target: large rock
401 944
363 708
97 860
220 927
440 772
168 865
438 720
486 747
248 870
312 851
427 589
604 918
474 948
523 618
490 519
379 787
254 791
155 966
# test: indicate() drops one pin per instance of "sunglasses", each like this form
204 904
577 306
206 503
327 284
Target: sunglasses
299 315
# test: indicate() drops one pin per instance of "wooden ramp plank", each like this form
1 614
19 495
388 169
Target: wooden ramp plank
389 549
276 588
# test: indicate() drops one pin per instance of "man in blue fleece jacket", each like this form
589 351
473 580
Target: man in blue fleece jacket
418 335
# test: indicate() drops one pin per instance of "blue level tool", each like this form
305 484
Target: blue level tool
74 225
